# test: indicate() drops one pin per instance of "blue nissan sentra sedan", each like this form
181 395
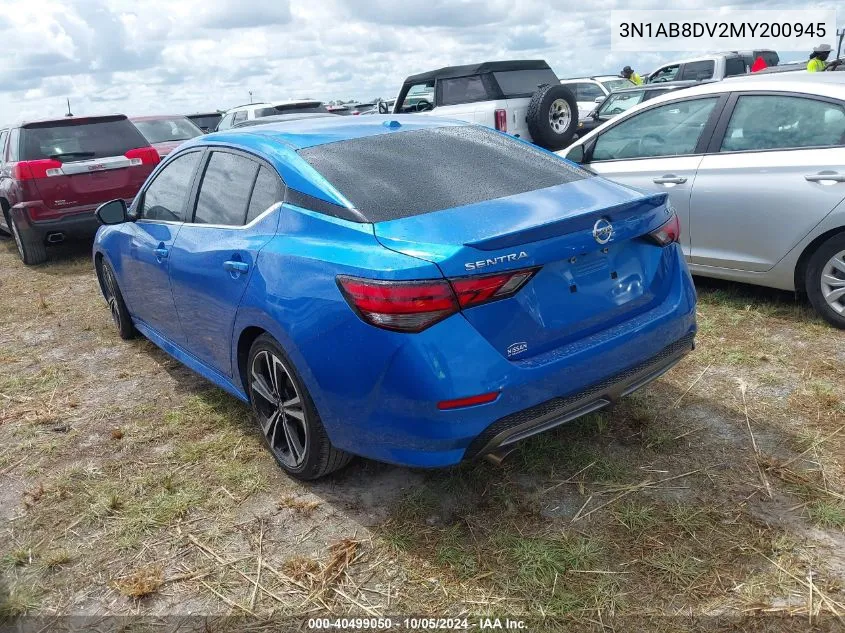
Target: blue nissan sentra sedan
405 288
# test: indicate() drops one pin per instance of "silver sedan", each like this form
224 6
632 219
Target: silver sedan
755 168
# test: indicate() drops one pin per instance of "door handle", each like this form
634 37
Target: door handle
235 266
161 253
830 176
669 179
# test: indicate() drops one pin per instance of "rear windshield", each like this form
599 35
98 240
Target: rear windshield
206 122
79 140
403 174
290 108
519 83
163 130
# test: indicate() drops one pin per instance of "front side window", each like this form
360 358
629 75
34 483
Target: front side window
417 94
165 199
225 188
672 129
667 73
462 90
761 122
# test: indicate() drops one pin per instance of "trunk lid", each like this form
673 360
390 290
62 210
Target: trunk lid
582 285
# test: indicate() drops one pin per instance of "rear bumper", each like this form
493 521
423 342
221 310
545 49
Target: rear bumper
389 408
79 224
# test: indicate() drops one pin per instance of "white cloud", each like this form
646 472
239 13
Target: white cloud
160 56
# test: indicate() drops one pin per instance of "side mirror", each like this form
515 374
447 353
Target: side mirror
382 107
576 154
598 99
112 212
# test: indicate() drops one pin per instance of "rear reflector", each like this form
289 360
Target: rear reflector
501 120
35 169
668 233
483 398
143 156
412 306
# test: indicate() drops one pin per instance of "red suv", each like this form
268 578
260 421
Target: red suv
54 174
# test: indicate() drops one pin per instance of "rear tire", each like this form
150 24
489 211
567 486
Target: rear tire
31 249
825 280
286 414
114 299
552 117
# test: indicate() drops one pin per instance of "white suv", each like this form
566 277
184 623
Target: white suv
589 91
258 110
522 97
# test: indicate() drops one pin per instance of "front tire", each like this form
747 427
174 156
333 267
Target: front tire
825 280
287 416
31 249
114 299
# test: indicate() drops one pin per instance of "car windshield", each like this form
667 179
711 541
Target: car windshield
82 139
616 84
521 83
403 174
163 130
620 102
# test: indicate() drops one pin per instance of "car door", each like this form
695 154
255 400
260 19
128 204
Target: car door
160 211
658 150
215 252
774 170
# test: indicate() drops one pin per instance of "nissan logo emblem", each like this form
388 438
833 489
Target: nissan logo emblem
602 231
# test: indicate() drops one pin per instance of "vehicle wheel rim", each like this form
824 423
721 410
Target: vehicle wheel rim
833 282
17 237
111 295
280 409
559 115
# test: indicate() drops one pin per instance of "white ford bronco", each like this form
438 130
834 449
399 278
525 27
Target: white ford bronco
523 98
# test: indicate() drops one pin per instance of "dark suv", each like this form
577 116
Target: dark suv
54 174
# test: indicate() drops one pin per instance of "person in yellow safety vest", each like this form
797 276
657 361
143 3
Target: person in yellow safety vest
631 76
818 58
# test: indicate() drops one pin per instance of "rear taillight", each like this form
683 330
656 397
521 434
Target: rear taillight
473 291
501 120
412 306
35 169
668 232
143 156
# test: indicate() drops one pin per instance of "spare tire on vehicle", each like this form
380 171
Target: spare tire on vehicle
552 117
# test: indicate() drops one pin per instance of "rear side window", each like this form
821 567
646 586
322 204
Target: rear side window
239 116
524 83
3 135
462 90
761 122
83 139
225 188
265 194
735 66
403 174
699 71
166 197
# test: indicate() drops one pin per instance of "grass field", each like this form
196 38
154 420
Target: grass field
128 485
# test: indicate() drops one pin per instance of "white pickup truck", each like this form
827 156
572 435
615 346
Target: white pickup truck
521 97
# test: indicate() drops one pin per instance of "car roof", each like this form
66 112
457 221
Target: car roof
214 113
700 58
671 85
275 118
68 119
272 104
448 72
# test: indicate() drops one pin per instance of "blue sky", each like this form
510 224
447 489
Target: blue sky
156 56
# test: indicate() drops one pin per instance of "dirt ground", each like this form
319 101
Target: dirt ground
712 499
